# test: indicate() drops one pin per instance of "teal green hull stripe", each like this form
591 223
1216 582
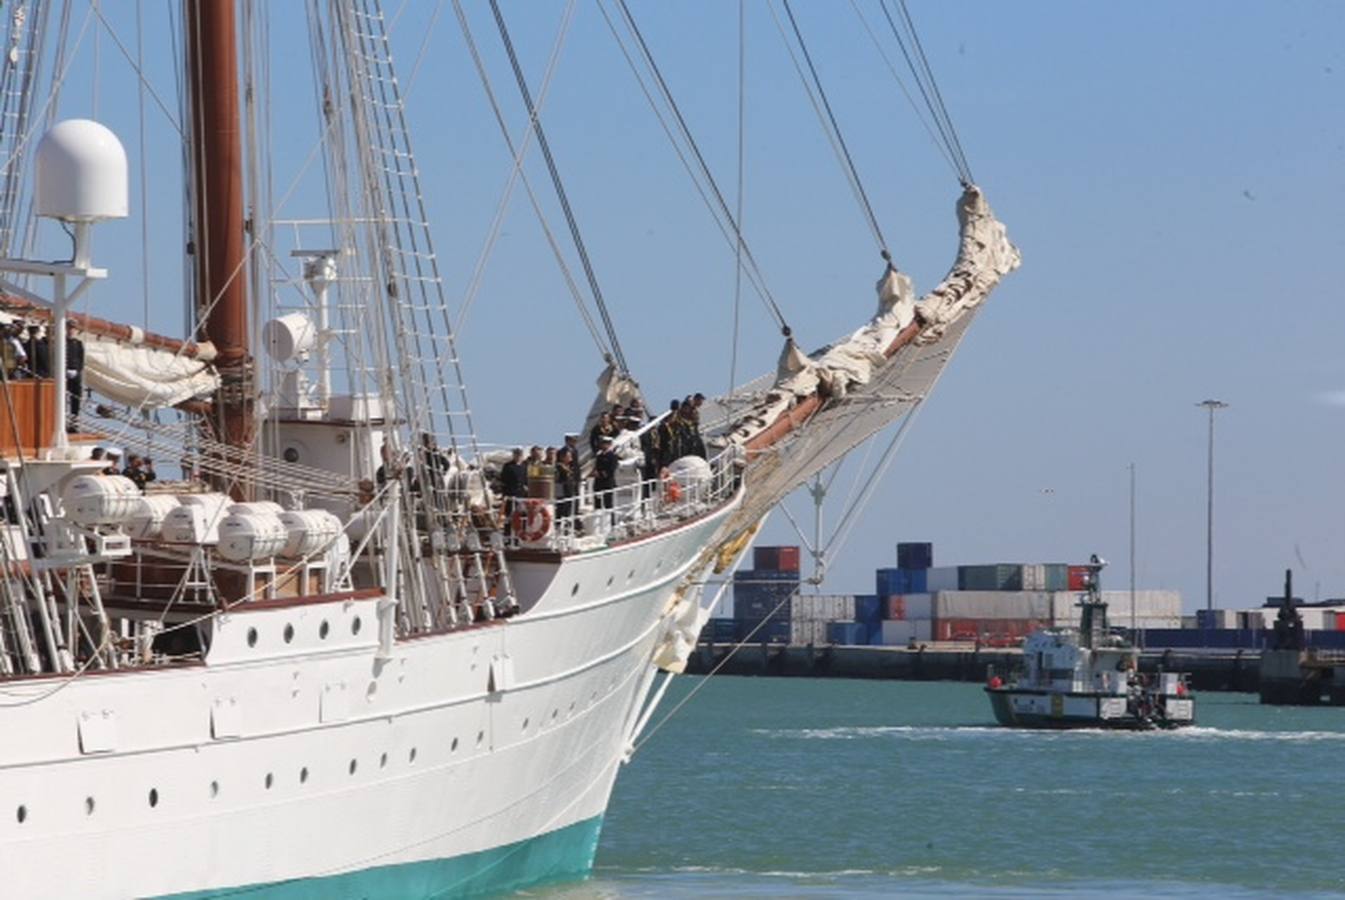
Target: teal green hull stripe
560 855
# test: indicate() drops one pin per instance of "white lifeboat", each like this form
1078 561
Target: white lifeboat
146 523
309 531
91 500
197 519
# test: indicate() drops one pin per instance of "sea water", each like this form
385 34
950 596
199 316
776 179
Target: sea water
789 787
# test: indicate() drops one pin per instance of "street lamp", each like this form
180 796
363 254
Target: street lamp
1213 406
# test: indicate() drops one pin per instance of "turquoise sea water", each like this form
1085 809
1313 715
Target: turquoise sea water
793 787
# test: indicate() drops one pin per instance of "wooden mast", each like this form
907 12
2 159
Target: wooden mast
220 240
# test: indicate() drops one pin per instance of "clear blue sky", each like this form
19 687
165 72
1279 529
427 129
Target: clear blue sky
1173 173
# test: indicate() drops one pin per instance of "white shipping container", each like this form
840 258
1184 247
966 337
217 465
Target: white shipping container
992 605
942 578
1166 605
823 608
1034 577
807 632
899 633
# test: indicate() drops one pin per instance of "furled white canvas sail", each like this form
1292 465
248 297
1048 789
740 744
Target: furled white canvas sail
143 376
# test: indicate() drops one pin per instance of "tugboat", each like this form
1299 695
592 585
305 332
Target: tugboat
1086 677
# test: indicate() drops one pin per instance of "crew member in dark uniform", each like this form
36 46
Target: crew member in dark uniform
606 428
74 378
604 474
514 485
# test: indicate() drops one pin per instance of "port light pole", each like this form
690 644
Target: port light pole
1213 406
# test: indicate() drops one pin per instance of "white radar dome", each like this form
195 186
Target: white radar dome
289 337
81 173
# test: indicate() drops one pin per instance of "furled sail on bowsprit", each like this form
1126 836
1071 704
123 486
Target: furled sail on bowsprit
820 407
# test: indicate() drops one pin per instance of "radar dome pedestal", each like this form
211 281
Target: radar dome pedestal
81 173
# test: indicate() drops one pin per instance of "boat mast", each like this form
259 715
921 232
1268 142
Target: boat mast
217 178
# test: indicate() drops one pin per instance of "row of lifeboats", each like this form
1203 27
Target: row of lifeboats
240 532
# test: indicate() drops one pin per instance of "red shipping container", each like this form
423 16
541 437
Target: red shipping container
1340 621
896 607
990 632
789 559
767 558
1079 578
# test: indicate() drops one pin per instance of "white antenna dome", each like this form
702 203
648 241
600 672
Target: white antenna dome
81 173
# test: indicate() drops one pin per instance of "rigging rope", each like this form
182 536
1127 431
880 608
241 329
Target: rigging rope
738 244
517 154
545 147
933 98
848 161
704 167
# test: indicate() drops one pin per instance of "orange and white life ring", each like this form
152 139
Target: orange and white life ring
672 490
532 520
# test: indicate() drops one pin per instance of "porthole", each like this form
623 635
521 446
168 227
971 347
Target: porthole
383 761
453 747
270 780
21 814
356 625
354 764
575 589
252 637
323 629
88 806
411 757
303 775
289 633
153 797
480 737
214 789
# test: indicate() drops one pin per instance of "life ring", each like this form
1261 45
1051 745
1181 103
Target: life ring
672 490
532 521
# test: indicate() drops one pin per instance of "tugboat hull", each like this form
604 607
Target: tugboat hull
1018 708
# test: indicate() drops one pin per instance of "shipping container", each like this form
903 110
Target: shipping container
915 555
1057 577
992 605
901 581
720 631
909 606
850 634
900 634
1217 618
808 631
776 559
750 575
772 632
1079 578
1149 605
987 632
1034 577
868 608
942 578
1001 577
824 607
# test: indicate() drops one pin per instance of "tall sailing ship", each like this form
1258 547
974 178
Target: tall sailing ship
330 660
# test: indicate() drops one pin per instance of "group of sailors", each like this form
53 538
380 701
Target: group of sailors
556 473
140 469
25 353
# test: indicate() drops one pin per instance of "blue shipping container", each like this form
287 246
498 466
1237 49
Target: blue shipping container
901 581
773 632
720 631
915 555
868 608
850 634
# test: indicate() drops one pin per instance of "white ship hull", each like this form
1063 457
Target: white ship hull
467 761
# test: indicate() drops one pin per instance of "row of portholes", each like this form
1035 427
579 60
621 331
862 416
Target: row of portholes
630 576
324 630
269 781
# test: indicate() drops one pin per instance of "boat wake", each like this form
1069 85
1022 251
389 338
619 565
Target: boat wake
961 732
